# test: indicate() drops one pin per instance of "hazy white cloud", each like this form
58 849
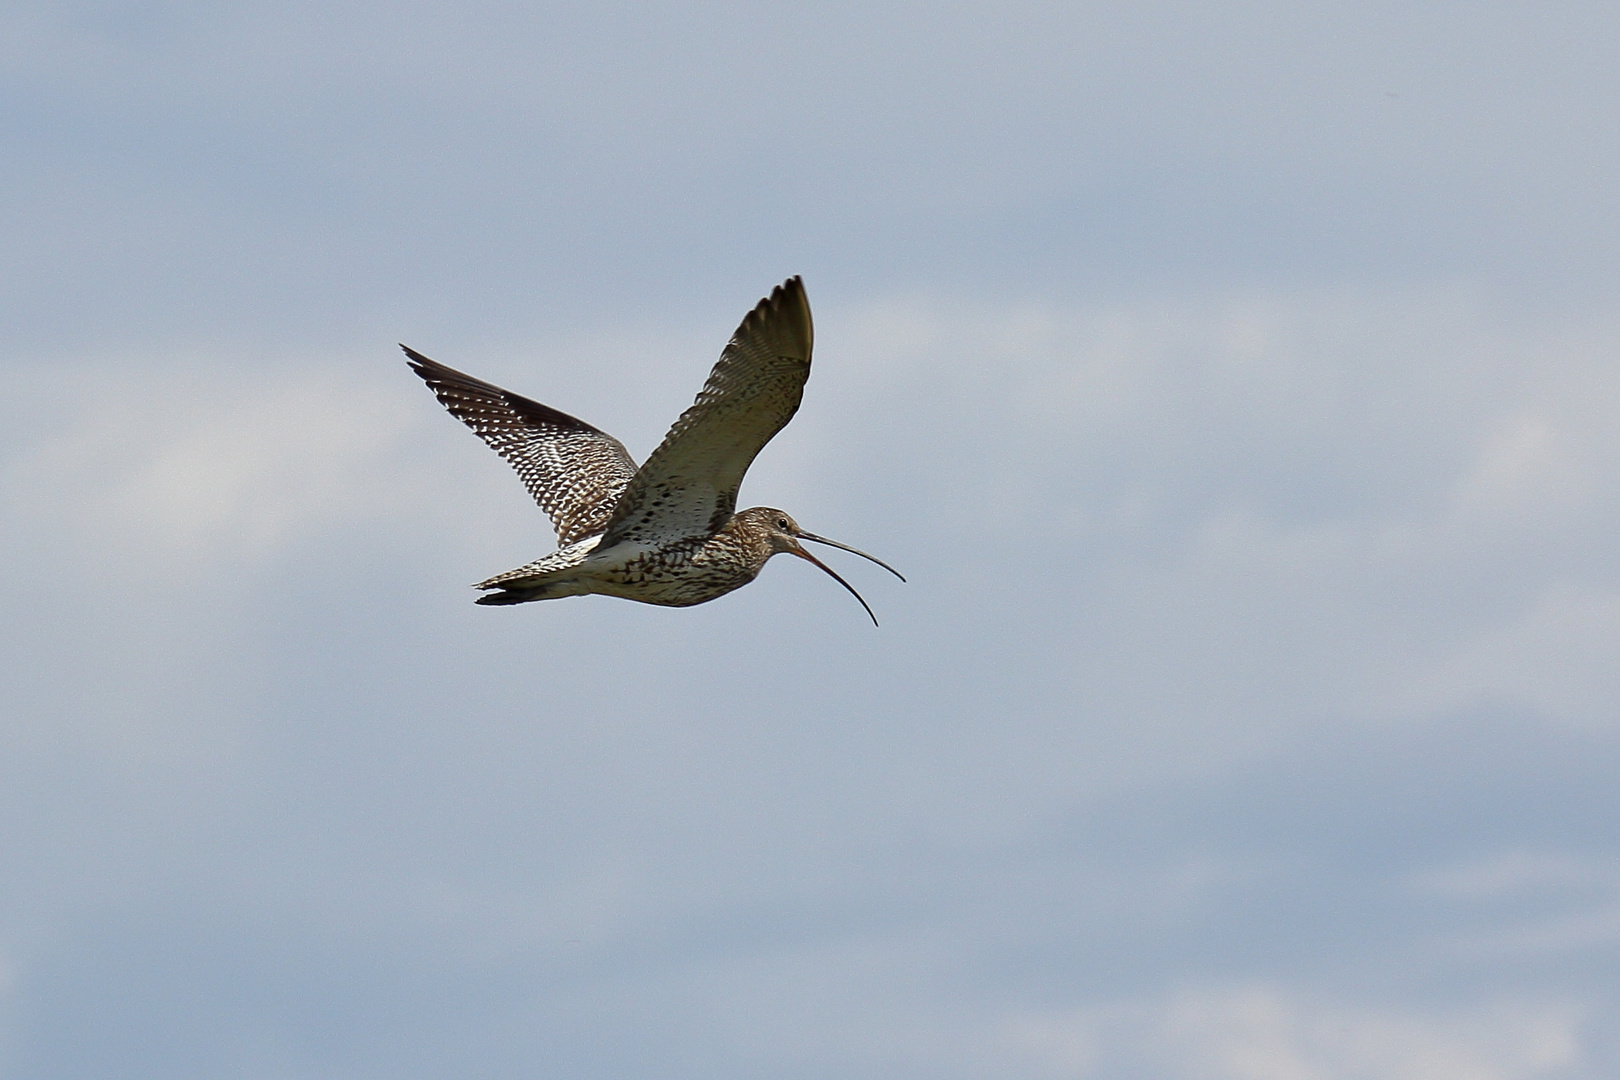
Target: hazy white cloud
1373 505
231 477
1261 1032
1515 873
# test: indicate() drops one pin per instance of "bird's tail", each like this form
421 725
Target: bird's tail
544 579
513 596
524 589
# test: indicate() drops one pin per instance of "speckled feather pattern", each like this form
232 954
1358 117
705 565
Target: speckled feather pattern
576 473
677 574
667 533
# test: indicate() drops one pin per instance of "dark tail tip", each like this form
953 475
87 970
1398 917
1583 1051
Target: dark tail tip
505 596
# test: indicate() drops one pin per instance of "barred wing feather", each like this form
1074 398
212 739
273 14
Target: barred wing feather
688 487
575 472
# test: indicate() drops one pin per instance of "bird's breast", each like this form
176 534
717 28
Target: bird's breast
677 573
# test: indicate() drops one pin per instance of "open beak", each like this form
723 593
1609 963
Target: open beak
803 554
855 551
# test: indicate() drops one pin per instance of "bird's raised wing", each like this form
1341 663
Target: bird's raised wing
575 472
688 487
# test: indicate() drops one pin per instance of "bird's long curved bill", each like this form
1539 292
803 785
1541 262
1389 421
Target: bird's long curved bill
833 543
853 551
803 554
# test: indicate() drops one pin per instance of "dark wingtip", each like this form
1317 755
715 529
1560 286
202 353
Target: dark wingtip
790 290
784 298
419 363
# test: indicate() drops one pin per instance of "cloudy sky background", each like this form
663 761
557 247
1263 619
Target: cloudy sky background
1238 385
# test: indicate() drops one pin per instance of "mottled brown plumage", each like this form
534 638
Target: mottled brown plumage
575 472
667 533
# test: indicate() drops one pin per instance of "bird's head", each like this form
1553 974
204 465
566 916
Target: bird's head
783 534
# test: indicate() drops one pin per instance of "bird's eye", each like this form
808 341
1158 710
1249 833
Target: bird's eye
781 523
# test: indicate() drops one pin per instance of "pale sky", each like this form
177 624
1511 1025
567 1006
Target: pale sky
1237 385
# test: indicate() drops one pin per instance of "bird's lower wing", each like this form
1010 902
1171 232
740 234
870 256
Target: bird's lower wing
689 484
576 473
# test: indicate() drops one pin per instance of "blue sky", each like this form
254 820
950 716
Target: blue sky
1235 384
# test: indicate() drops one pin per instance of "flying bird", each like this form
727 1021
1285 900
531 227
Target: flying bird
668 532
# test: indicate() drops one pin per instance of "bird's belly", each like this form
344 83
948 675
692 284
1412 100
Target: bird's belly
673 576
